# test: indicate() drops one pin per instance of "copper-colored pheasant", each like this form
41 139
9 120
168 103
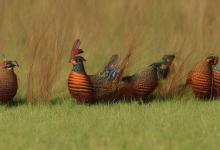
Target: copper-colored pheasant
8 81
201 77
92 88
80 86
143 83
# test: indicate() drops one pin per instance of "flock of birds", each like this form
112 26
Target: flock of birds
111 84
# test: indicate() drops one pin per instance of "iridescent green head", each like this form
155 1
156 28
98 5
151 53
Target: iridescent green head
8 64
77 63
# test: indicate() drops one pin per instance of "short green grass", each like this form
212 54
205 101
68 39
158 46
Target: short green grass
172 124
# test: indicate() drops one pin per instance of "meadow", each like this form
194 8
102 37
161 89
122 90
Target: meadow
178 124
39 35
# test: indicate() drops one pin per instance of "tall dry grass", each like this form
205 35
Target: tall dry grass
39 35
45 63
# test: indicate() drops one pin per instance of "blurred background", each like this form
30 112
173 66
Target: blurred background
39 35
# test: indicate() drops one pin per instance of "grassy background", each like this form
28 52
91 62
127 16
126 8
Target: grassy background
39 35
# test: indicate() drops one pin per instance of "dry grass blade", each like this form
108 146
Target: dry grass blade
45 66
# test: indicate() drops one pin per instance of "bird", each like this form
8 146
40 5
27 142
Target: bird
200 78
79 84
144 82
8 81
87 88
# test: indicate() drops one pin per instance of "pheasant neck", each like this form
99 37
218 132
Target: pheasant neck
79 67
154 67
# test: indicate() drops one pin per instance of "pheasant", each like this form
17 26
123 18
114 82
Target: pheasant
92 88
8 81
79 84
200 78
143 83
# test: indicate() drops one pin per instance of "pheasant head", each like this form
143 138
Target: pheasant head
163 67
75 59
168 59
212 60
8 64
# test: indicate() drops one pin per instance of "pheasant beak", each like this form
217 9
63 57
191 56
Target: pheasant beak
73 62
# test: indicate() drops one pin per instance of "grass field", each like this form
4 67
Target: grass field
39 35
178 124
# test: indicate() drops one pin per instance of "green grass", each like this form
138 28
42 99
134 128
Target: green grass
171 124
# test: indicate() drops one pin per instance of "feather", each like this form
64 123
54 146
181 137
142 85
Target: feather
76 49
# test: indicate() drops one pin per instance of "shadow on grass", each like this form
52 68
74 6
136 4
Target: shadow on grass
59 100
142 101
146 100
15 102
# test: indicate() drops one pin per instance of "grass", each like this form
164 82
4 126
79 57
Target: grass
173 124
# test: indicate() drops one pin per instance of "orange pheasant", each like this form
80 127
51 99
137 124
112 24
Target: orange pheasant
201 77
